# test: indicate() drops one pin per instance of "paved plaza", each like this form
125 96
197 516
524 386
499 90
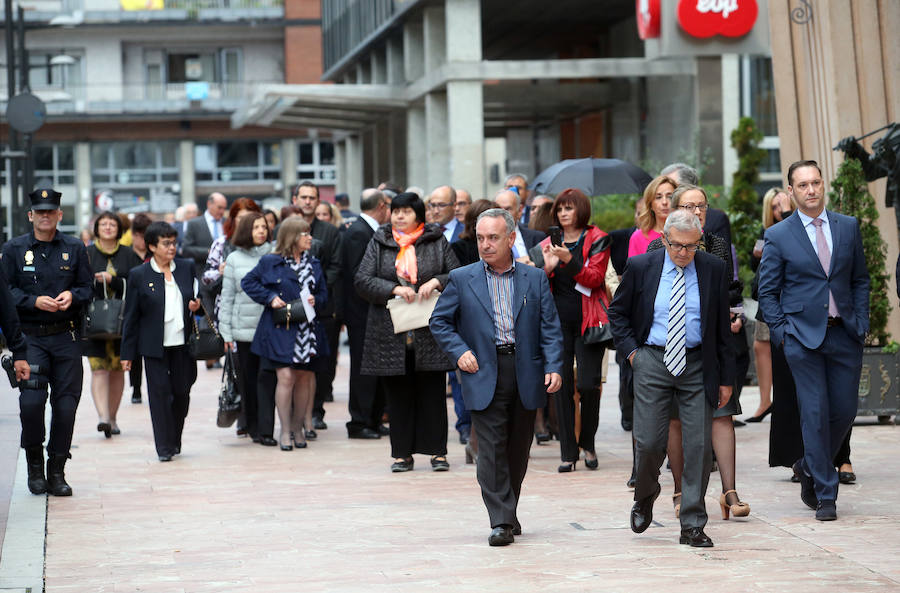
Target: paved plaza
231 516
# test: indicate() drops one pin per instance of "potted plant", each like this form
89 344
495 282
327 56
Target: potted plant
878 386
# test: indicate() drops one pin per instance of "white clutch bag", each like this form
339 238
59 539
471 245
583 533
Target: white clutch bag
407 316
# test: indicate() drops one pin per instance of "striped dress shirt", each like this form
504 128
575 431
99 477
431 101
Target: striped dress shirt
502 289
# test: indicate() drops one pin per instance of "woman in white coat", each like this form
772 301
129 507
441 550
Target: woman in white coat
238 318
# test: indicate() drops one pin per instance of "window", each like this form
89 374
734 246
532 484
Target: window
758 102
134 163
237 161
315 161
55 162
44 75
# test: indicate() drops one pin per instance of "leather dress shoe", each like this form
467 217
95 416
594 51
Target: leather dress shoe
627 424
642 512
464 436
807 486
363 433
502 535
517 530
826 511
166 457
384 430
267 441
694 537
319 424
846 477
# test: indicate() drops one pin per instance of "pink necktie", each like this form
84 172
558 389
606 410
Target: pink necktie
825 260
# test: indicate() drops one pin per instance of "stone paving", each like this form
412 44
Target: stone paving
231 516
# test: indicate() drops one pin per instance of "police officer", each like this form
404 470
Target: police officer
50 280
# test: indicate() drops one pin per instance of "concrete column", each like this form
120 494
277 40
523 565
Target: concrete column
288 166
520 150
354 166
394 61
362 73
465 123
349 77
378 66
731 113
186 173
416 142
413 50
436 140
84 201
397 149
434 36
463 30
340 165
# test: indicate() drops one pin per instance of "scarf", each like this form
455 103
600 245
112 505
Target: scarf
406 257
305 340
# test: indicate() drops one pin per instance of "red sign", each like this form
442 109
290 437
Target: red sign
729 18
647 18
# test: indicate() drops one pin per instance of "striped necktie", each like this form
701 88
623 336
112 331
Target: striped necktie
675 329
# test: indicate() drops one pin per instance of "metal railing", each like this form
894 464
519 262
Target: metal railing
195 5
346 23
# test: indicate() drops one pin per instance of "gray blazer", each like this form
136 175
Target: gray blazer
197 241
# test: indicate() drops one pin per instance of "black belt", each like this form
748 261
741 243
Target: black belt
834 322
48 329
506 348
663 348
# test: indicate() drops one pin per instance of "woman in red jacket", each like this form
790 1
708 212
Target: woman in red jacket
577 268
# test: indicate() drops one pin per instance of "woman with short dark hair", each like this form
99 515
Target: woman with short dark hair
407 259
162 289
111 263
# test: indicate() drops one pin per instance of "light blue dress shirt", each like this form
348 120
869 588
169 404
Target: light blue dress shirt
810 229
658 330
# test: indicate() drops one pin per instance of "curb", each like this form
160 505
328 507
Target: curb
22 558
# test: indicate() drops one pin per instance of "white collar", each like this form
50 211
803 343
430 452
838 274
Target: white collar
369 221
806 219
156 268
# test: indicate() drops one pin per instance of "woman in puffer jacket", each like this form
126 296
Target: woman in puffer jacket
239 315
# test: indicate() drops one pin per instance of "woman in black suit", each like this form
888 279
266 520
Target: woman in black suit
162 290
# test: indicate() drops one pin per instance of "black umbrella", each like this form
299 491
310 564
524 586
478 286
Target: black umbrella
595 177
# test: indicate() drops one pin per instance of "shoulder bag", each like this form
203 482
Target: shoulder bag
229 394
205 343
103 319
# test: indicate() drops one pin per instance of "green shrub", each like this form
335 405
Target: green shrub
743 209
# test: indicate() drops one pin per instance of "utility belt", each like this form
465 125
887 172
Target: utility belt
49 329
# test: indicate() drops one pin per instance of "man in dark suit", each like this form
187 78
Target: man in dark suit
814 295
366 399
306 196
670 320
183 215
442 205
203 230
526 238
498 321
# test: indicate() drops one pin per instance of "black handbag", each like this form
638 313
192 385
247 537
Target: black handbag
103 318
600 335
229 394
205 343
291 312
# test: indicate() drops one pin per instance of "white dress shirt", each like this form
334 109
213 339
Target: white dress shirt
369 221
173 317
810 229
215 226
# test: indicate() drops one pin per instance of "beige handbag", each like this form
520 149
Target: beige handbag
407 316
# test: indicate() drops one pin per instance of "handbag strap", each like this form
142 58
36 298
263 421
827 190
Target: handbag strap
208 321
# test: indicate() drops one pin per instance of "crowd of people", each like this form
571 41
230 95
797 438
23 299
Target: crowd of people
557 297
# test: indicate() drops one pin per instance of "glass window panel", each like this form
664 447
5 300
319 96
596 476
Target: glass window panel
169 153
272 175
762 89
43 158
271 154
326 153
66 179
237 154
204 157
65 157
203 176
306 153
238 175
100 156
306 175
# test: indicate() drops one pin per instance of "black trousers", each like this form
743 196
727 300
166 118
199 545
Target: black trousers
626 388
169 381
418 403
134 375
265 404
590 366
366 395
247 373
504 432
325 377
60 355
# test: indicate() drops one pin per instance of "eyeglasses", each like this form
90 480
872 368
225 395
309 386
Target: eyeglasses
167 243
700 207
690 247
438 205
304 234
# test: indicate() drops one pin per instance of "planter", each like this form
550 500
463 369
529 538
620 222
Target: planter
879 384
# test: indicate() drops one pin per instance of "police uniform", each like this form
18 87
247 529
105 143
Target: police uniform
36 268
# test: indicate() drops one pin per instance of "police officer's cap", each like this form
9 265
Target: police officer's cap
45 199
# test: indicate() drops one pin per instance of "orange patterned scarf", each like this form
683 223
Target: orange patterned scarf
406 257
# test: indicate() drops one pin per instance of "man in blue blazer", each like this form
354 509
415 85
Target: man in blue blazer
814 295
498 321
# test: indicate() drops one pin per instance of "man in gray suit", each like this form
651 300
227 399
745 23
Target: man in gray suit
200 232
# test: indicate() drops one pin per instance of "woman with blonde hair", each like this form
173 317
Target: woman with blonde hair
328 212
654 211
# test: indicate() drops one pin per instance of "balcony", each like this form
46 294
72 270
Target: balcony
77 12
217 97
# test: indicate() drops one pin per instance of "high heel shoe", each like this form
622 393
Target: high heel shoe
288 447
676 502
759 418
738 509
542 437
105 428
567 467
591 463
